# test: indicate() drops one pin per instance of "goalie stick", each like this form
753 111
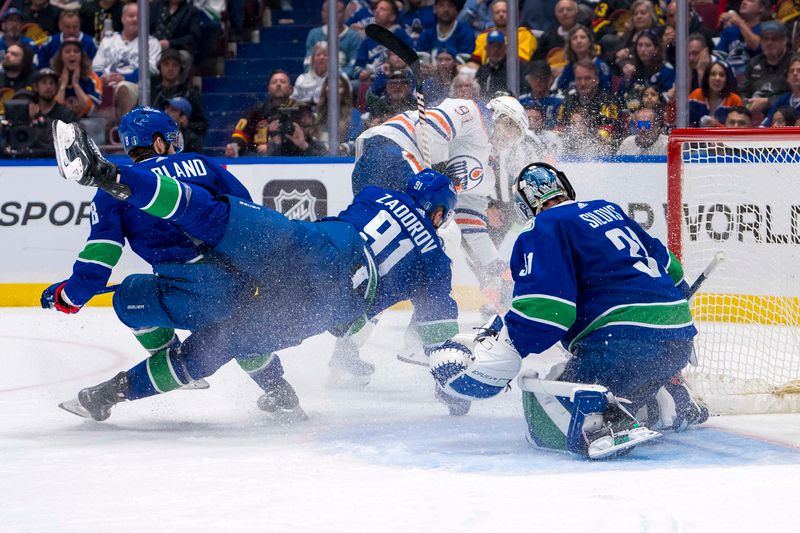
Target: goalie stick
715 261
410 57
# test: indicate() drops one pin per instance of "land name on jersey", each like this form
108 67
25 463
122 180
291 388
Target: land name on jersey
181 169
410 220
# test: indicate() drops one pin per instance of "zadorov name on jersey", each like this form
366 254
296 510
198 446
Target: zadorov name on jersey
422 237
722 222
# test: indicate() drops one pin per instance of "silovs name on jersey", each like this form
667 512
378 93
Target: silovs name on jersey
410 220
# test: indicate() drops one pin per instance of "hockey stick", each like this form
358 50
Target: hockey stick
106 290
410 57
715 261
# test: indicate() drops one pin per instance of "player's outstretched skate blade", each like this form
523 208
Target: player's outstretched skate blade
96 402
281 403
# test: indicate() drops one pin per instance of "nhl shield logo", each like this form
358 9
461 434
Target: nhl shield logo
296 205
297 199
466 171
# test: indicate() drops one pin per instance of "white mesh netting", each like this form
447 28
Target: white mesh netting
743 198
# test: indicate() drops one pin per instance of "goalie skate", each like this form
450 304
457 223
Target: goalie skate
616 443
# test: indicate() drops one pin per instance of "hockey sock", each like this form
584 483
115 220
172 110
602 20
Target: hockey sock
263 369
190 207
159 373
154 340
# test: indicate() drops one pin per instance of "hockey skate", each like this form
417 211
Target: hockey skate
455 406
80 160
617 435
96 402
347 369
280 402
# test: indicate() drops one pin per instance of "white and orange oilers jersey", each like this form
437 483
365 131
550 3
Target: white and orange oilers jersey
457 133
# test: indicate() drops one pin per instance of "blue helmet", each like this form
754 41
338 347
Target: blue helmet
536 184
140 125
432 190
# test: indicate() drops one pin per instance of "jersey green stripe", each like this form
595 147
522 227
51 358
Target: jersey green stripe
437 332
546 309
105 253
160 372
669 315
165 202
675 269
251 365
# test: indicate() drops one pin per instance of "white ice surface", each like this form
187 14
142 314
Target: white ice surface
383 458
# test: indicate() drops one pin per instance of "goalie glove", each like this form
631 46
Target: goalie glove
54 297
79 159
475 367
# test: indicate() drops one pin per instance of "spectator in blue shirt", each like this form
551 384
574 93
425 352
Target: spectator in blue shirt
349 40
70 25
12 30
448 32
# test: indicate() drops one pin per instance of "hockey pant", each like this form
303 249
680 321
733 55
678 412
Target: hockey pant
631 369
384 164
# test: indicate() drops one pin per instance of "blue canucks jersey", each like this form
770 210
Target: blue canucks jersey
409 257
586 269
153 239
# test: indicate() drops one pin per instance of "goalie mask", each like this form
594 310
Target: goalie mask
139 127
432 190
538 183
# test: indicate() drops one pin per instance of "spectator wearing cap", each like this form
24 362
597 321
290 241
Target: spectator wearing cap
94 13
790 98
566 13
45 85
391 67
349 40
180 110
398 97
307 85
117 60
70 25
739 40
169 83
79 88
371 55
539 79
526 42
579 44
445 67
765 75
647 137
12 30
43 14
177 26
491 76
447 33
17 67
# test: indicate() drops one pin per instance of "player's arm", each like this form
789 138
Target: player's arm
95 262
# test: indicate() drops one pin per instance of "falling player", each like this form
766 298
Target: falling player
589 276
288 280
147 136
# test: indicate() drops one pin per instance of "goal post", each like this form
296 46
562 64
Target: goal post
738 191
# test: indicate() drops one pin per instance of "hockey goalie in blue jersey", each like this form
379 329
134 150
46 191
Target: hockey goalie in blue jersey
293 279
588 276
148 137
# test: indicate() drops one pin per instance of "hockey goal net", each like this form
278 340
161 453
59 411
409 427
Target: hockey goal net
738 192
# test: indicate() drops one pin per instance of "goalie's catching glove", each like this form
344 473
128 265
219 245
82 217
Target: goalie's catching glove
79 159
54 297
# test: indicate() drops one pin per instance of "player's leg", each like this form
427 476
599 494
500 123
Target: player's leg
279 399
156 340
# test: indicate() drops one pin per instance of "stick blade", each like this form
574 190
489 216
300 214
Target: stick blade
393 43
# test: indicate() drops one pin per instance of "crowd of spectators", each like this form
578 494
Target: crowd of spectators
595 77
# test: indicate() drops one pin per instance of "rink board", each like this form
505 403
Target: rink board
44 220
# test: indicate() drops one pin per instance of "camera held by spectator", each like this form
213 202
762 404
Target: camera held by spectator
21 135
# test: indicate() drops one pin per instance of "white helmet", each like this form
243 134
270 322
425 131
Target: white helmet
508 106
